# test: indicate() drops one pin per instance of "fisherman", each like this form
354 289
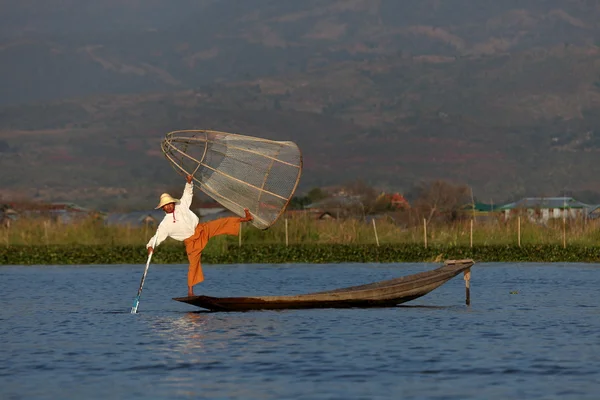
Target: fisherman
181 224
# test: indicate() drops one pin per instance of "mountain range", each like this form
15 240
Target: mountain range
502 96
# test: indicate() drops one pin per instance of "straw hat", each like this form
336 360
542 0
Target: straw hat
165 198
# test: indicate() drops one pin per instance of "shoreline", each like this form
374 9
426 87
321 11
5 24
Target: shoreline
281 254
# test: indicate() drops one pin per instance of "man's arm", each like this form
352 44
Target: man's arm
159 236
188 192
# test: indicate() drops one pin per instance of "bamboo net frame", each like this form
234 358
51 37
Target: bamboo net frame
238 171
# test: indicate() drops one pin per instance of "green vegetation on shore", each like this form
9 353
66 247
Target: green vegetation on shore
281 254
31 242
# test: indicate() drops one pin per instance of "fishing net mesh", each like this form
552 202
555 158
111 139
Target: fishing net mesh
238 171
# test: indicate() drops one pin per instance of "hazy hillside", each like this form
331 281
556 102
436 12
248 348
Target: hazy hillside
56 48
501 95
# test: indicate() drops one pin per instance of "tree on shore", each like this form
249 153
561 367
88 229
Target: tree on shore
440 199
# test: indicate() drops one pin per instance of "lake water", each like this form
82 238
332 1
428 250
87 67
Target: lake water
66 333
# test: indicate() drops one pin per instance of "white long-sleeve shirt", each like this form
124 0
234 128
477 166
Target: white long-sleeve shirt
181 223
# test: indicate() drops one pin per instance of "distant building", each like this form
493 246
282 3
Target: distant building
223 214
207 209
135 219
594 212
324 216
58 212
335 204
542 209
480 211
211 211
68 212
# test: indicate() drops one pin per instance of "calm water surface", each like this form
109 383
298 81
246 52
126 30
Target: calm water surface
66 333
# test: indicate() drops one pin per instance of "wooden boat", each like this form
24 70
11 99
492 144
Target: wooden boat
386 293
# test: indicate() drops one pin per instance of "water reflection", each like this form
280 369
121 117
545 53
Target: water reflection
191 332
186 333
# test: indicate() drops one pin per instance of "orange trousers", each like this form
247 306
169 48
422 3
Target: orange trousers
198 241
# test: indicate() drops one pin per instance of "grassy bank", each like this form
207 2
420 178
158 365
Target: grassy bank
308 241
304 230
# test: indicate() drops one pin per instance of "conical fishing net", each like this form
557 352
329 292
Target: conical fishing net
238 171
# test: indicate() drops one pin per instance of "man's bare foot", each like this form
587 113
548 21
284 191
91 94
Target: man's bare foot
190 291
248 217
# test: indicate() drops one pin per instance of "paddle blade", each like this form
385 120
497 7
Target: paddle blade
136 303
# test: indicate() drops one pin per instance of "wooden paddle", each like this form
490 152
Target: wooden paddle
136 301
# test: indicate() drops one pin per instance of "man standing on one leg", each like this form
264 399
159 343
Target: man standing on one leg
181 224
